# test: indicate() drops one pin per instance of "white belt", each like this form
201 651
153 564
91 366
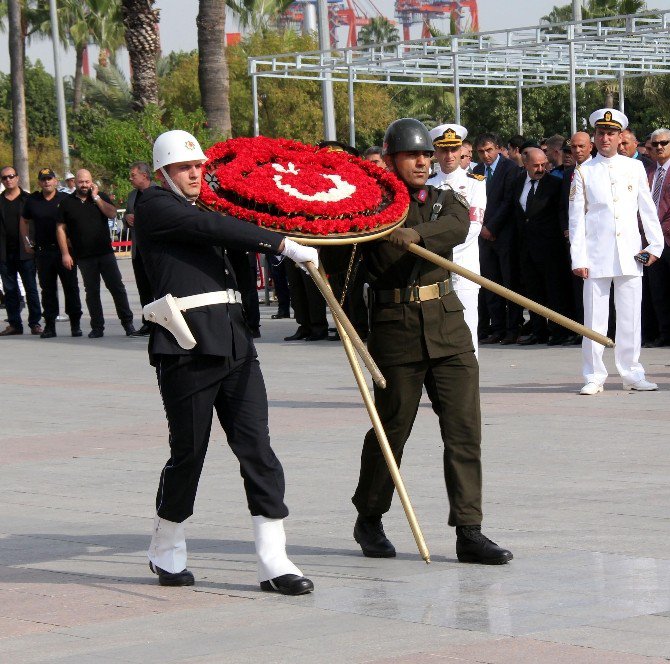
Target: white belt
229 296
167 312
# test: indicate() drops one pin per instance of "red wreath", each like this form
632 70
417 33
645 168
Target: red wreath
289 186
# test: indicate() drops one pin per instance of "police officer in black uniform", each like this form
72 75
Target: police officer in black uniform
418 337
213 366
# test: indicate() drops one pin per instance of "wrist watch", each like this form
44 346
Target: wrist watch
96 199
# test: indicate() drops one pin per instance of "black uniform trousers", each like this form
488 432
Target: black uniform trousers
658 276
499 262
49 270
142 281
308 303
280 282
452 384
192 387
92 269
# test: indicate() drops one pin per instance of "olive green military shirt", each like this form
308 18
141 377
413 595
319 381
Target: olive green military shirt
415 331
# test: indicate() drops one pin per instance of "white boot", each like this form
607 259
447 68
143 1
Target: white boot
168 546
270 541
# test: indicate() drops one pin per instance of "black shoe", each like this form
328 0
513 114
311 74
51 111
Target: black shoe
183 578
49 331
473 547
288 584
256 334
334 337
281 314
317 336
510 338
75 328
96 333
144 331
557 340
369 533
530 340
301 333
493 338
129 328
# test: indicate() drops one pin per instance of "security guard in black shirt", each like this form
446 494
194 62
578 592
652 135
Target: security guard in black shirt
205 360
418 337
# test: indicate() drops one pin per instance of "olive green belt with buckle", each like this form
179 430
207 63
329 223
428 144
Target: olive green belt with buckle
413 293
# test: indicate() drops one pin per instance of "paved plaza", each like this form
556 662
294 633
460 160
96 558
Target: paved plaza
577 487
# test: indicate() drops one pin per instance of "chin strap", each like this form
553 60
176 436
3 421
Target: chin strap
172 185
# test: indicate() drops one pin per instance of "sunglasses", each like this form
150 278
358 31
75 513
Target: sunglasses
8 177
657 144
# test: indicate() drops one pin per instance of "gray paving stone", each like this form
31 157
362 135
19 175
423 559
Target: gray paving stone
575 486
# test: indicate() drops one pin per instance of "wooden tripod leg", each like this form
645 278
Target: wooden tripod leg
321 281
383 440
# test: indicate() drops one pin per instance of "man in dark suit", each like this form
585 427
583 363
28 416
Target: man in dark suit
629 148
206 360
659 272
580 149
545 271
497 241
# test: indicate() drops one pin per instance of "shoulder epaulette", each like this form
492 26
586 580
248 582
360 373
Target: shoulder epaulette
476 176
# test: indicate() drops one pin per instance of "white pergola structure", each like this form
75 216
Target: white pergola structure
570 53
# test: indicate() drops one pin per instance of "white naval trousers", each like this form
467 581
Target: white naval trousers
628 303
469 298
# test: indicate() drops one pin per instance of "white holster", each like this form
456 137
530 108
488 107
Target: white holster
167 312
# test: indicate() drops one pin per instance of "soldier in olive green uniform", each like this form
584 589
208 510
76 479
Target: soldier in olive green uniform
418 337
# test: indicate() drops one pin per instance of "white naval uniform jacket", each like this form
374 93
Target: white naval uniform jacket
606 195
474 189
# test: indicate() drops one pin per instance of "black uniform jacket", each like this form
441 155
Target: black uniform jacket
415 331
539 225
183 251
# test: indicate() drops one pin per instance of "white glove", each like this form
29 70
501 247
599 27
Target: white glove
300 254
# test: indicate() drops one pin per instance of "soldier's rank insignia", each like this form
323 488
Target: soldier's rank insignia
461 199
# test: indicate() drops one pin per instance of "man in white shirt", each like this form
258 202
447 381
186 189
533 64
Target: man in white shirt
606 196
448 142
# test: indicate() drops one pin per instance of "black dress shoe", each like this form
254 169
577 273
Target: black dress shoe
288 584
473 547
75 327
96 333
530 340
657 343
256 334
369 533
281 314
510 338
129 328
49 331
183 578
557 340
301 333
144 331
493 338
317 336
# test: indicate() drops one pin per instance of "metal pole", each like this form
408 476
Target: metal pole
329 132
457 87
519 106
60 94
352 120
254 95
573 83
621 92
576 10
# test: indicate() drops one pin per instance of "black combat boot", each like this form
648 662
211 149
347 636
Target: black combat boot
49 331
369 533
473 547
75 327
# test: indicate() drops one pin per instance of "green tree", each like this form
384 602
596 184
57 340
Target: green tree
178 81
378 31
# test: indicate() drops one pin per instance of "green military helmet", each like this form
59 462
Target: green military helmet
407 135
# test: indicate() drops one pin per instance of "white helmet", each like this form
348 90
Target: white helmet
176 146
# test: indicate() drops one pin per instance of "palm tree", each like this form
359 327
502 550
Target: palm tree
213 65
378 31
256 15
140 19
17 57
110 90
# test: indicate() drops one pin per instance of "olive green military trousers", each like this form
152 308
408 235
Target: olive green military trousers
452 385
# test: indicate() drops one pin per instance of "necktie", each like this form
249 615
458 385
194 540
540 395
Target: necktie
531 195
658 185
489 173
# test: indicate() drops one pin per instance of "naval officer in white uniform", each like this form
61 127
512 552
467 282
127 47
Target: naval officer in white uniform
448 142
606 195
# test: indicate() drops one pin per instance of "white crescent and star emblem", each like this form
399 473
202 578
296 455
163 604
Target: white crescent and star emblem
339 192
